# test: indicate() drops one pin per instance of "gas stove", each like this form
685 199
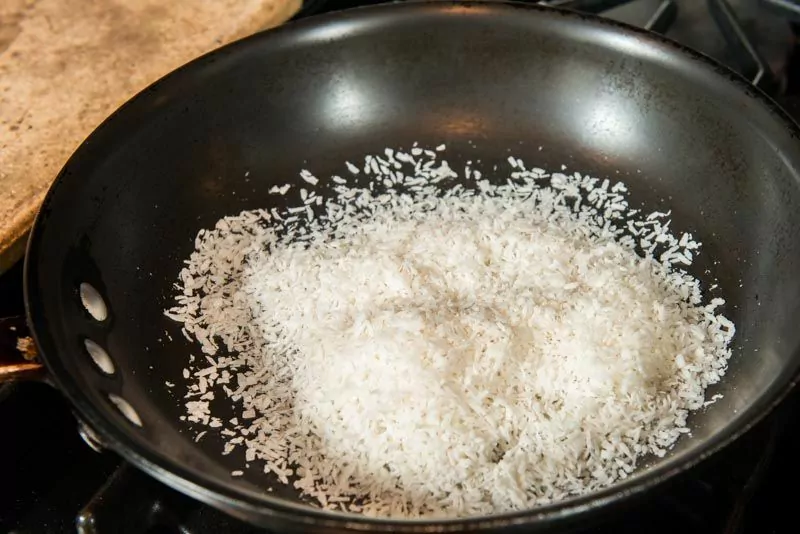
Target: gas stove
53 482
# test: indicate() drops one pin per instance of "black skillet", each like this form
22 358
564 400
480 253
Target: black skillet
482 77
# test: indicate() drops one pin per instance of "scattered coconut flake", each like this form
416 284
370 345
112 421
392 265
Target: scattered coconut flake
308 177
280 190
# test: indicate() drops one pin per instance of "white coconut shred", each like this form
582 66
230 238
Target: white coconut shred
410 341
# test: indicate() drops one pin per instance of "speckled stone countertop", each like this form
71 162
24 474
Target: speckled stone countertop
65 65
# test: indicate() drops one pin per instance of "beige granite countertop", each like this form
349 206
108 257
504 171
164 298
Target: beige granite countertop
65 65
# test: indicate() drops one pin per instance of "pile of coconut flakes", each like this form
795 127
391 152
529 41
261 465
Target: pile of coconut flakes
410 340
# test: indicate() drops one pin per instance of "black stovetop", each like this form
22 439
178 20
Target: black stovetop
52 482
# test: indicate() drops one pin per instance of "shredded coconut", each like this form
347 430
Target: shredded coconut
432 344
